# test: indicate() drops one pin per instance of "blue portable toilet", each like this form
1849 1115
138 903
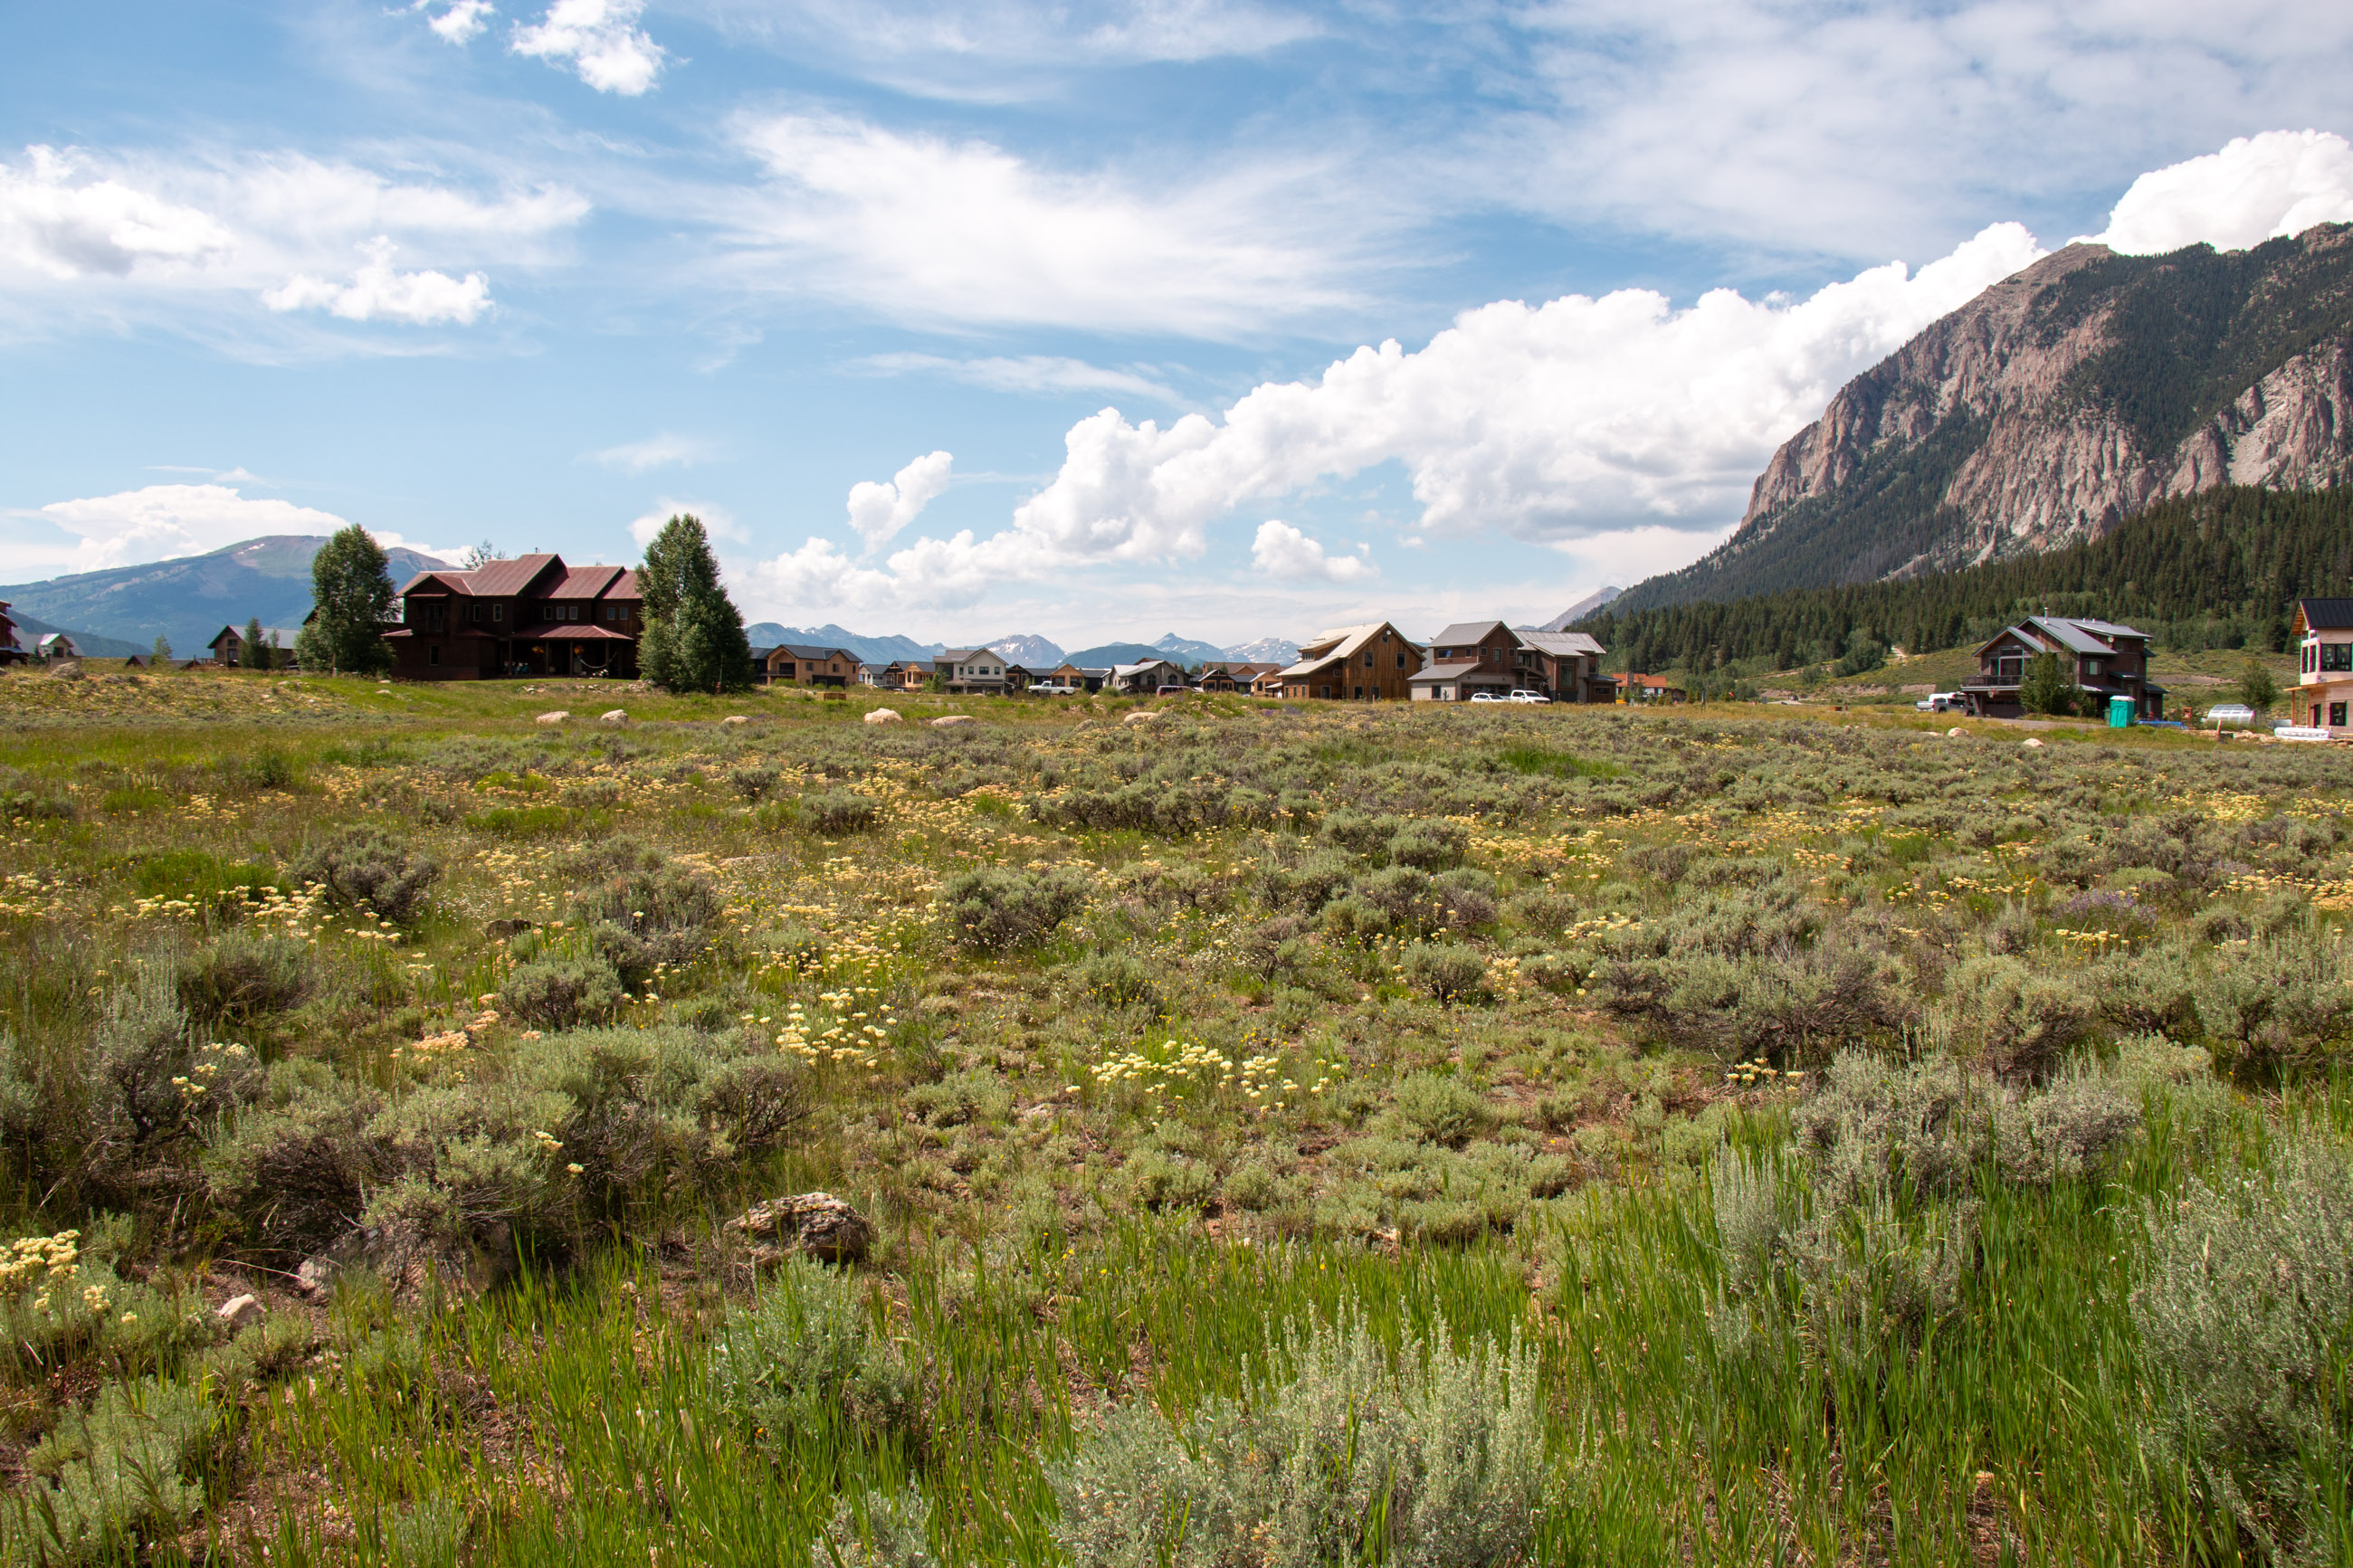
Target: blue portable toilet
2120 713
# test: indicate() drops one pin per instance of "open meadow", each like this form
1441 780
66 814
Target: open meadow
1276 1135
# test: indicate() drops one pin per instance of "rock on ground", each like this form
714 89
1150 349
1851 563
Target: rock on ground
883 716
815 1224
613 716
557 716
1142 716
240 1311
951 720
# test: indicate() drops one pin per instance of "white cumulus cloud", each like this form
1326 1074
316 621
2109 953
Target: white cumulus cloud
379 294
53 225
2255 188
460 21
159 522
1546 422
879 509
600 40
1282 551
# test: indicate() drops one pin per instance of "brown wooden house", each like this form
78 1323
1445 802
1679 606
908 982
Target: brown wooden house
11 650
1567 667
1374 662
2102 658
1471 657
532 615
1227 675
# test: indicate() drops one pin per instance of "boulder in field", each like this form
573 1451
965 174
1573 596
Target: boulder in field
814 1225
883 716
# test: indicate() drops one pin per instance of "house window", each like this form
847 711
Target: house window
1368 658
1322 692
2009 669
2309 655
1360 694
2336 715
498 612
2336 656
433 656
1401 661
2091 669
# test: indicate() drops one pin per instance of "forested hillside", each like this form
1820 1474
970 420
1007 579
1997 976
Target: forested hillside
2214 570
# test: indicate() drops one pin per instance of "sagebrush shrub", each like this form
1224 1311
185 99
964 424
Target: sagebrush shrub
113 1478
562 993
1158 1180
805 1359
881 1530
1447 972
2014 1017
2245 1315
992 909
1116 979
1439 1109
246 974
837 811
1434 1458
364 866
645 911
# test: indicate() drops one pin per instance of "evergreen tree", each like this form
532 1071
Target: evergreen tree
2049 686
351 584
2257 687
257 652
693 640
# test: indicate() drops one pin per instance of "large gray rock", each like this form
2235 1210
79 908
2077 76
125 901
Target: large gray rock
815 1224
240 1312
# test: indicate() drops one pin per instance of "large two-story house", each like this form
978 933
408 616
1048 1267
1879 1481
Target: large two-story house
11 650
530 615
2101 657
1374 662
2323 633
1471 657
1567 667
973 670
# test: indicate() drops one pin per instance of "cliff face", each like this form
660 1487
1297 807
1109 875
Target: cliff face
2053 405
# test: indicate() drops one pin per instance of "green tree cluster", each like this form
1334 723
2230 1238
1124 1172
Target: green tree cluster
693 640
257 654
351 593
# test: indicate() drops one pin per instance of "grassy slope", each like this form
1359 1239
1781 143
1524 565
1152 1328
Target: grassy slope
1029 1278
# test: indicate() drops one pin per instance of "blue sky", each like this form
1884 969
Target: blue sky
1415 312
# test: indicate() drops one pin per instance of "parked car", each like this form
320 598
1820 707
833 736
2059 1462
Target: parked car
1171 690
1529 697
1938 702
1489 697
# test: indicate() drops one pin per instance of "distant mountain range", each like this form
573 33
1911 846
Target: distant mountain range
1265 650
1029 650
187 600
2050 407
1580 610
868 649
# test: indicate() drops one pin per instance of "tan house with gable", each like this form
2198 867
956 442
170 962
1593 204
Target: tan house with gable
973 669
2323 696
1374 662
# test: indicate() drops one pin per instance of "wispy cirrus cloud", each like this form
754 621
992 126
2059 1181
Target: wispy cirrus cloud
921 228
1035 374
661 451
182 241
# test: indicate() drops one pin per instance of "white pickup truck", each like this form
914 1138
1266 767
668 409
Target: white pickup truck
1938 702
